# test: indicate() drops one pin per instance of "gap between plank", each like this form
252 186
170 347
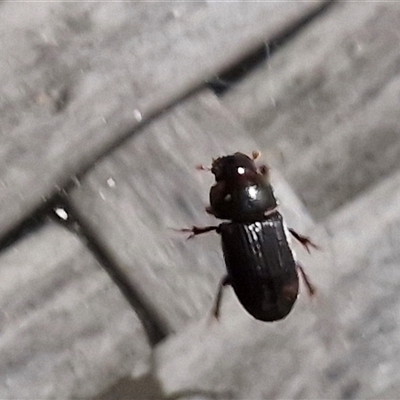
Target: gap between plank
154 327
246 65
223 82
249 59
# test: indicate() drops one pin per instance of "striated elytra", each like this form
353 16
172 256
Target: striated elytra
261 266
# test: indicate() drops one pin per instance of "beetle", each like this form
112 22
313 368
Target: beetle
261 266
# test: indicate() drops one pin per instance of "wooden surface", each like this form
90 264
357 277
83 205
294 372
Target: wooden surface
116 94
139 193
326 104
77 78
66 331
342 344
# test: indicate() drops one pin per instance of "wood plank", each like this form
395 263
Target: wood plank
75 81
133 198
343 345
65 329
333 112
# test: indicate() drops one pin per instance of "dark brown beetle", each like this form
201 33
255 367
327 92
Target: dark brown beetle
261 266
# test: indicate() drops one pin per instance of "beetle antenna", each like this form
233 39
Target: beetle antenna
255 154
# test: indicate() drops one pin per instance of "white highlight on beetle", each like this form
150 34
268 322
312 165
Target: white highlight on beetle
61 213
252 191
255 230
256 227
228 197
241 170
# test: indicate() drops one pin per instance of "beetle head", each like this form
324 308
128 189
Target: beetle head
233 167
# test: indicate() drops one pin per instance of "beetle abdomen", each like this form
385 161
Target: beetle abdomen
261 266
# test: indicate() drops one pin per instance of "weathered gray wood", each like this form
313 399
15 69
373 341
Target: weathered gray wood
133 198
345 344
328 103
77 77
65 329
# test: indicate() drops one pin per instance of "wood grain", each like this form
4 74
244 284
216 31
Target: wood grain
342 344
65 329
134 197
75 81
326 104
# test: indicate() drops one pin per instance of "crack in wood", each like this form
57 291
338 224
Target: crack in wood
223 82
155 329
153 325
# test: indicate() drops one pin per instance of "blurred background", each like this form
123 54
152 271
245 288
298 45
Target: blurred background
106 108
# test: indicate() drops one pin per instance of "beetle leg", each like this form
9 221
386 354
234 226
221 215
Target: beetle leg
304 240
196 230
202 167
310 287
217 305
